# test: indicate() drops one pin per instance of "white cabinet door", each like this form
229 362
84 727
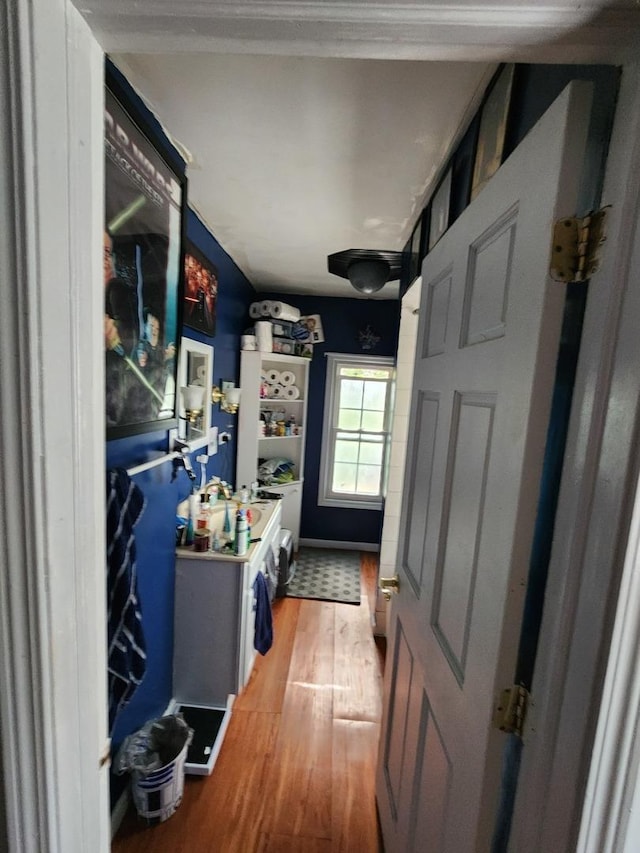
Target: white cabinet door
291 508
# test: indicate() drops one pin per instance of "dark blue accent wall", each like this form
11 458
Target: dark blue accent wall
155 534
342 319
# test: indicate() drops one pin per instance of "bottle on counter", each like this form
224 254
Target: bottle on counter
242 527
202 521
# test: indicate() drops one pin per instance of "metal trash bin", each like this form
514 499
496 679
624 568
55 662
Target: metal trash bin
286 563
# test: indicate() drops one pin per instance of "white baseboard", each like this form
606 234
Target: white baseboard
343 546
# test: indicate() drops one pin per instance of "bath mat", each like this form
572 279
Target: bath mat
326 575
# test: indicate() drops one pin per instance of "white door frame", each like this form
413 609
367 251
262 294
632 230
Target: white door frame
592 522
52 579
52 612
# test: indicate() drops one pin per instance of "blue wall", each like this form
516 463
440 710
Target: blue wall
155 534
342 319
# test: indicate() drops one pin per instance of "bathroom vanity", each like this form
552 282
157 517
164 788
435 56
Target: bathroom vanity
214 618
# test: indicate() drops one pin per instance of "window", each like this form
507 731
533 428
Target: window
357 423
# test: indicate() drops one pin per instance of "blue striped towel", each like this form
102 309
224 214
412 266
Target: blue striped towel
126 649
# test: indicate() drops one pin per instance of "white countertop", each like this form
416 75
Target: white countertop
260 529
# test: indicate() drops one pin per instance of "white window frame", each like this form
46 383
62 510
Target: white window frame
325 495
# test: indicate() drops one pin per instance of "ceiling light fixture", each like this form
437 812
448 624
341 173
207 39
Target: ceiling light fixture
368 270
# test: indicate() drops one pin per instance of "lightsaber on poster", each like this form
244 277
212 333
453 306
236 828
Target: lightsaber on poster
125 214
117 347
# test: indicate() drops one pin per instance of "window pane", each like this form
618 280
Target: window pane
351 394
370 454
344 478
375 396
346 451
373 421
369 479
349 419
366 372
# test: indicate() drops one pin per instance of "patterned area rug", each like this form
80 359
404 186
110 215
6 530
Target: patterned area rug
327 575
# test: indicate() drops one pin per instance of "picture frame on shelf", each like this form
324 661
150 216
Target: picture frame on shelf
494 116
145 202
440 203
195 370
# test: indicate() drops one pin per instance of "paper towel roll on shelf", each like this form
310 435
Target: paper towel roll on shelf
255 310
265 308
273 376
287 377
291 392
264 338
276 391
282 311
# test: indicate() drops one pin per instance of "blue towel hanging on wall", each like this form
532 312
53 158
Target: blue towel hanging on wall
126 649
263 636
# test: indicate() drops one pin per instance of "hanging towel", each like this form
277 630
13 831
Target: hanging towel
263 636
126 650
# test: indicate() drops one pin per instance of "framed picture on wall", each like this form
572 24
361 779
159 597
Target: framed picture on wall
493 127
200 291
143 277
440 210
414 250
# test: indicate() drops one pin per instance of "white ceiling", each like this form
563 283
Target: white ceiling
314 127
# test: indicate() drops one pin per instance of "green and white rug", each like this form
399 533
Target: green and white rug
326 575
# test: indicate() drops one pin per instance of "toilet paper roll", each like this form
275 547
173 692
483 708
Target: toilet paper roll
264 338
287 377
248 342
276 391
255 310
273 377
265 308
291 392
282 311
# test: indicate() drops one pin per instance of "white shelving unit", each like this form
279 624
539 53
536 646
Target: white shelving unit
253 446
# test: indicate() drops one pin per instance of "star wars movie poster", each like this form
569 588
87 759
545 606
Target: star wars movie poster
200 292
142 278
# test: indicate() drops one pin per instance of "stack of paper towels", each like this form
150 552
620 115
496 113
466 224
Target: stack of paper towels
281 385
274 310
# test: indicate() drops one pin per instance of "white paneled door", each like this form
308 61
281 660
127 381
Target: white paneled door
490 321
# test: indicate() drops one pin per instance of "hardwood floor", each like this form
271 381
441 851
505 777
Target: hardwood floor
296 771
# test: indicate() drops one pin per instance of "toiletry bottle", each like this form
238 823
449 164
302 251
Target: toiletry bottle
241 532
188 536
244 495
202 522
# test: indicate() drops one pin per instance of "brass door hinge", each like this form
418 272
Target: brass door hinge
511 710
576 247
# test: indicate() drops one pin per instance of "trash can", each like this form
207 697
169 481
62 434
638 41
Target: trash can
155 757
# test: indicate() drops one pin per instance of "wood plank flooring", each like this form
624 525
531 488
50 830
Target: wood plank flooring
296 772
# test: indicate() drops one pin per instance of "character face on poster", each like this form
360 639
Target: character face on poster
142 278
200 291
